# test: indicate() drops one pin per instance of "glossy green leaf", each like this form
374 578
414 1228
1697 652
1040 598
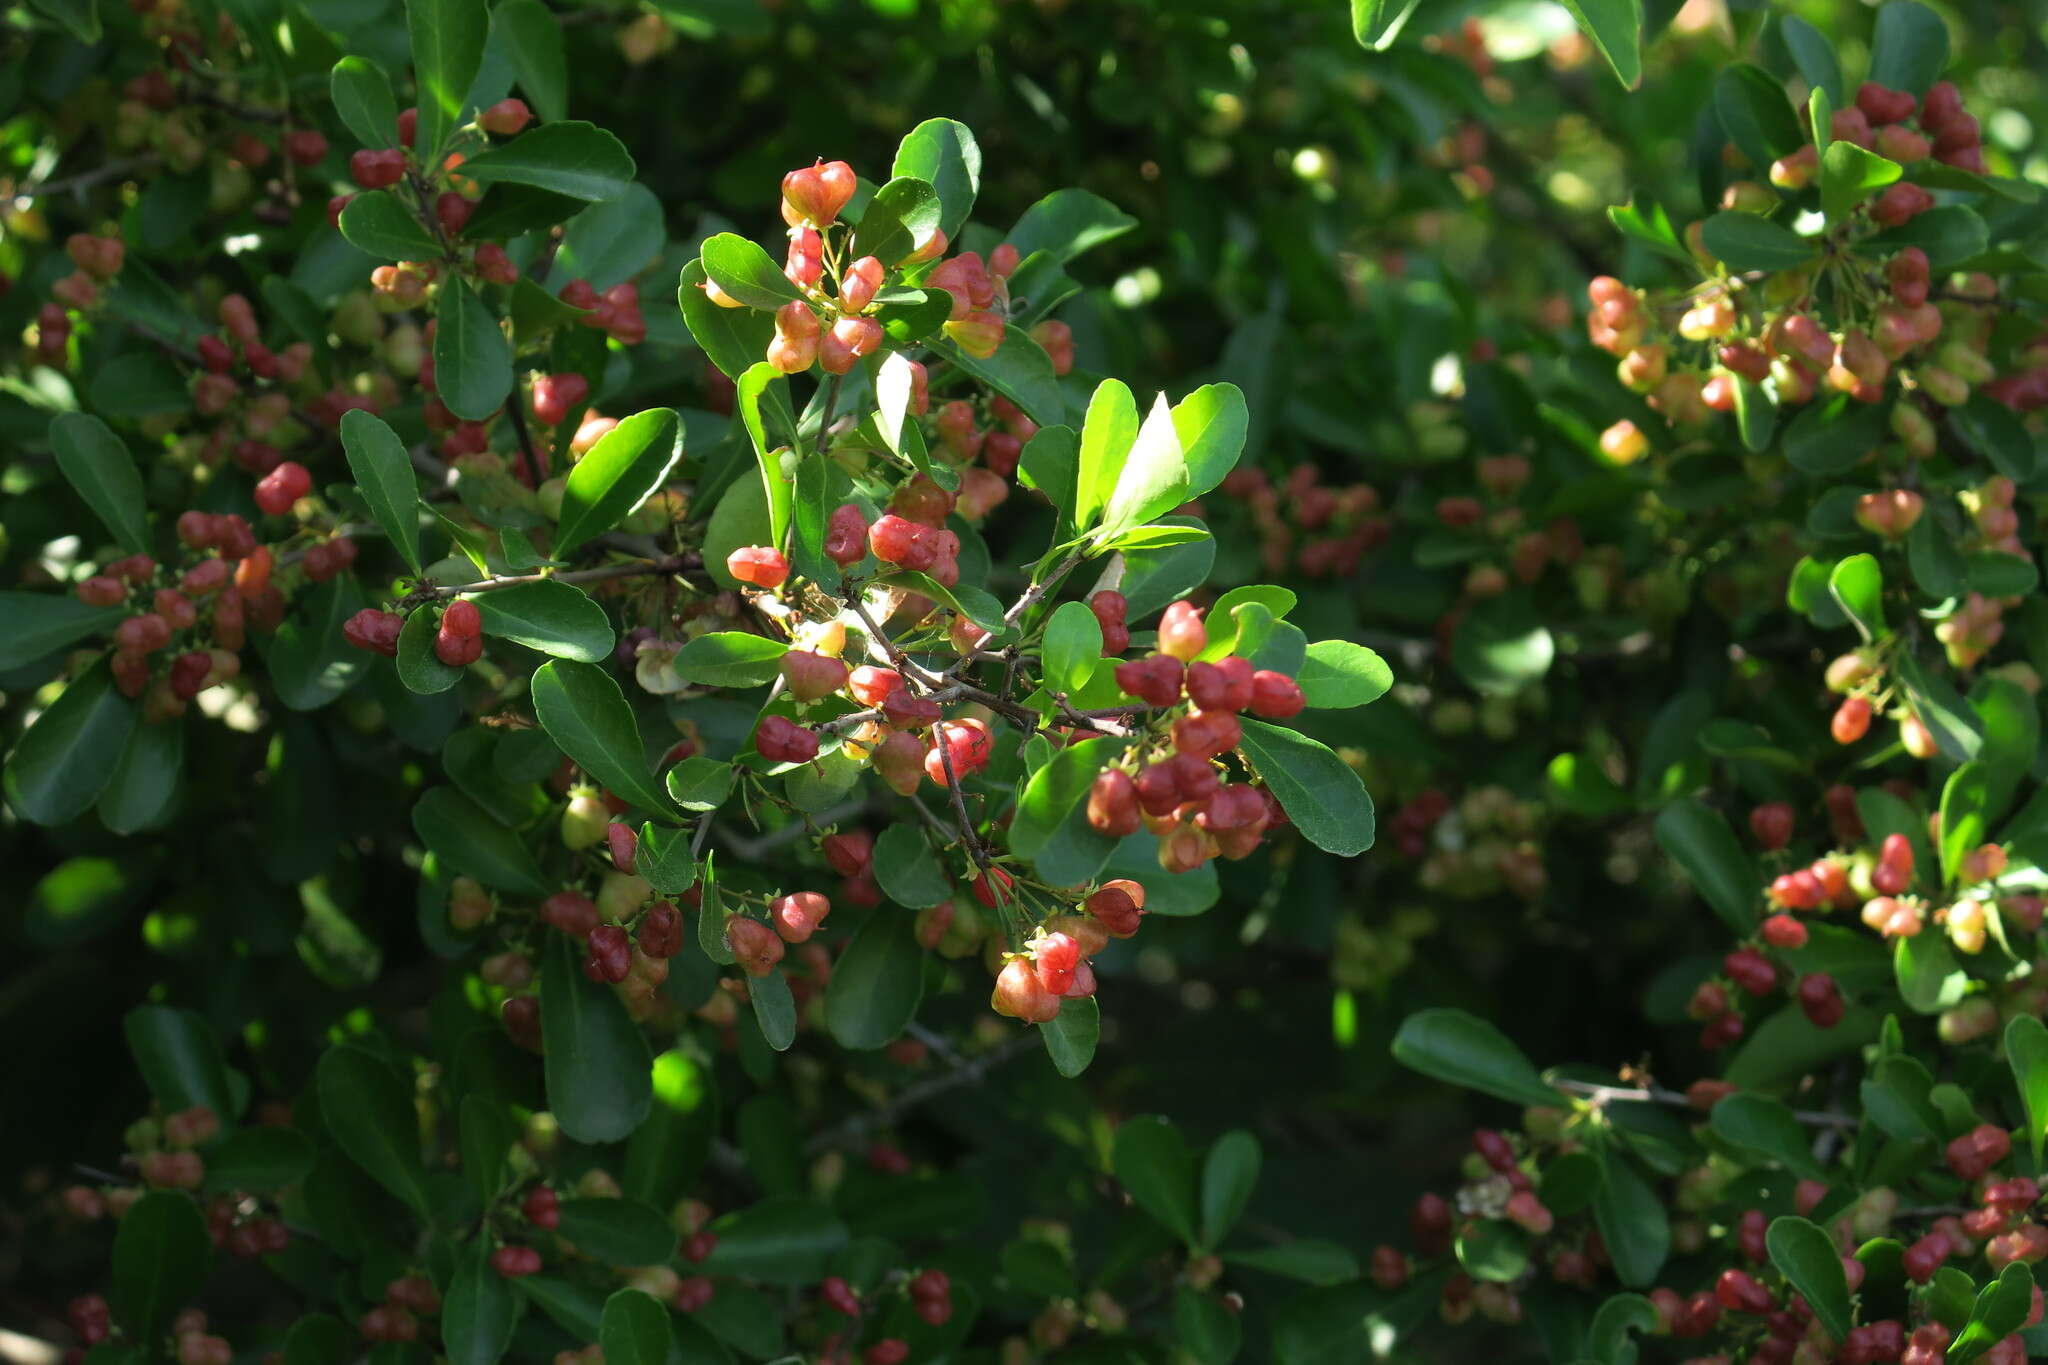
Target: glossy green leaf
1909 46
467 838
1755 114
902 214
876 984
180 1058
1050 827
598 1065
1501 647
2026 1051
162 1254
448 38
1616 28
583 711
1229 1174
1813 52
746 272
774 1009
385 477
69 753
481 1312
1930 978
1072 1034
1338 675
1747 241
1806 1256
1463 1049
1209 1333
258 1159
1321 793
1152 1162
944 154
781 1240
618 1230
1849 175
98 464
1019 370
419 667
1700 842
1072 647
1066 223
734 339
369 1110
311 662
730 658
572 159
635 1329
540 63
487 1134
145 782
627 465
472 360
1212 423
1857 583
2002 1307
1632 1221
907 869
41 623
381 224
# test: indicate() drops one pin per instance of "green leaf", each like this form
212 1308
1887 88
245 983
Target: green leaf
572 159
1071 1035
81 18
1308 1259
1813 52
1950 234
380 223
487 1136
1632 1221
482 1311
628 464
1050 827
1930 979
2026 1051
760 393
1072 647
611 242
1700 842
1858 584
742 269
162 1254
258 1159
1764 1126
1746 241
1957 729
1338 675
369 1110
1966 815
774 1009
1321 793
1208 1332
876 984
180 1059
781 1240
471 841
1996 574
70 752
383 473
1151 477
901 215
1107 433
1755 114
99 466
666 1152
732 338
41 623
472 359
1151 1161
1909 47
1501 647
311 663
1616 28
700 783
1066 223
664 857
598 1066
943 153
448 38
587 716
1607 1339
1211 423
1995 432
1807 1258
540 60
1832 437
1849 175
635 1329
1019 371
362 97
2004 1305
618 1230
146 778
419 667
907 869
1492 1249
1229 1174
1451 1045
1895 1097
730 658
1644 219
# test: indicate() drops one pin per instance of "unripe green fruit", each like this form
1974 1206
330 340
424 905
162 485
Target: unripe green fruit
404 350
356 321
584 819
621 894
549 496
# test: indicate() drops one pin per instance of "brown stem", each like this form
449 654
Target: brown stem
669 565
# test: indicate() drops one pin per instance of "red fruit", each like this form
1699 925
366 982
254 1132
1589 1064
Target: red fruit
1751 970
214 354
1429 1225
898 540
850 854
377 168
1205 734
808 676
1110 609
967 744
1772 824
512 1262
993 887
505 118
1820 999
305 147
1893 874
142 634
555 396
1155 679
623 844
1225 685
283 486
1113 804
452 211
1494 1149
661 931
1275 695
572 912
1739 1292
102 590
887 1351
698 1246
1900 203
1120 905
846 536
1019 994
839 1296
1389 1268
1881 104
1181 632
759 565
754 945
1925 1256
1851 720
815 194
1783 931
797 916
871 686
541 1207
780 740
462 619
611 955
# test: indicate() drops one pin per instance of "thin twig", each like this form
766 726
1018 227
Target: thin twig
534 467
1655 1094
972 1073
671 564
